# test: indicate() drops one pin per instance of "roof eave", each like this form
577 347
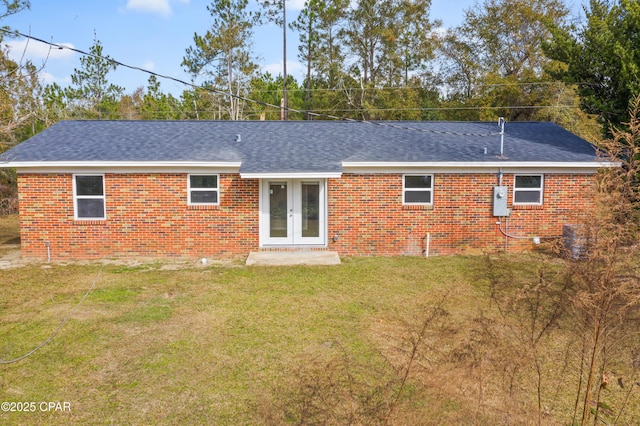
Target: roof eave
475 166
119 166
290 175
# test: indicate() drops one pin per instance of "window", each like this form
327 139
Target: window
528 189
89 199
417 189
203 189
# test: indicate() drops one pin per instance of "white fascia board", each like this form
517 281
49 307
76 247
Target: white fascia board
476 167
121 166
297 175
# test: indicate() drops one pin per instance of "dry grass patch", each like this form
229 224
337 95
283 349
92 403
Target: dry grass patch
9 229
9 235
370 341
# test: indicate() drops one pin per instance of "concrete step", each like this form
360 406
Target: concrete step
298 257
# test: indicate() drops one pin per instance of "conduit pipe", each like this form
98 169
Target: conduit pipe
501 125
506 233
427 244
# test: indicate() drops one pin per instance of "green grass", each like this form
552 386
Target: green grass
245 345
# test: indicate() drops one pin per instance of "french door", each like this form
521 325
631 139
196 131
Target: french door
293 212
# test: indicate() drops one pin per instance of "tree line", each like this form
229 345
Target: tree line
370 60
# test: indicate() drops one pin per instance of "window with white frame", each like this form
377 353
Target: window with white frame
89 198
203 189
417 189
527 189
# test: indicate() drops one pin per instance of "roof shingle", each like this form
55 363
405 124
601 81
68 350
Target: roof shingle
299 146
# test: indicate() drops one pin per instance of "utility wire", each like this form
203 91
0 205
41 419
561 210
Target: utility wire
135 68
238 97
398 89
57 330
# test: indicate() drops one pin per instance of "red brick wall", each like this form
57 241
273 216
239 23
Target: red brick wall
367 216
148 215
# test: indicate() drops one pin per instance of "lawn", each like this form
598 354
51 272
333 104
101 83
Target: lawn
370 341
9 233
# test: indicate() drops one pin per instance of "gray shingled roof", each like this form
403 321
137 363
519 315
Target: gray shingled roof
299 146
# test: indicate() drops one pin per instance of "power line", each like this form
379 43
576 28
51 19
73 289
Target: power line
133 67
392 88
469 108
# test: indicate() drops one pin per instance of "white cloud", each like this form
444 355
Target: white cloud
295 4
38 52
273 69
48 78
294 68
149 66
160 7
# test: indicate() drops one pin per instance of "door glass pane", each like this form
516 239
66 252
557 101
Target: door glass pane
310 209
278 213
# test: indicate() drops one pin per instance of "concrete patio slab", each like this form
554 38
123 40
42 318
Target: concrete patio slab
302 257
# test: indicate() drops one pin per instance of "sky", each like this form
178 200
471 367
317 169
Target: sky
151 34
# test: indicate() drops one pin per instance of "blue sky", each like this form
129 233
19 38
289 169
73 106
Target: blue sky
151 34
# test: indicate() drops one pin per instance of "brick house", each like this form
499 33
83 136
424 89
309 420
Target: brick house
93 189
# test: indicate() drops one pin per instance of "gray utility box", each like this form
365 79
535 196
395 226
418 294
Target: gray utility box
500 201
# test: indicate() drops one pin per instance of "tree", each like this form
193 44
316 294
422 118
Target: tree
276 12
55 103
462 67
19 107
496 58
508 34
602 57
222 55
318 25
19 84
157 105
20 90
385 44
11 7
91 95
267 90
385 39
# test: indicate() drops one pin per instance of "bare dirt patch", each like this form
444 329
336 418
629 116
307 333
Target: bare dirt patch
11 257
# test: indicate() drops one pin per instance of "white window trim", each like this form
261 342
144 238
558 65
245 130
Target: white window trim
77 197
190 190
540 190
404 190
